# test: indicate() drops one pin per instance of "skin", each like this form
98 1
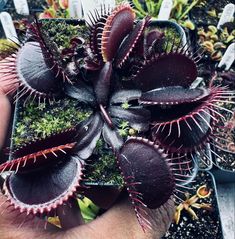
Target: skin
117 223
5 108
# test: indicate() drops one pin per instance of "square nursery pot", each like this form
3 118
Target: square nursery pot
208 225
224 171
203 159
25 113
22 103
164 24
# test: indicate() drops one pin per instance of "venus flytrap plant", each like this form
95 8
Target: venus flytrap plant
109 67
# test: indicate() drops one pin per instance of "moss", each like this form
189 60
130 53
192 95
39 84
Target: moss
104 169
61 32
40 120
171 36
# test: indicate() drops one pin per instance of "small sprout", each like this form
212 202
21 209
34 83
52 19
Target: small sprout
224 35
213 29
201 32
191 202
42 106
214 37
189 24
208 45
212 13
125 105
124 124
230 39
124 128
219 45
88 209
216 55
123 132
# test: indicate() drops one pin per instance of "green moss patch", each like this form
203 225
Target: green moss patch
105 168
40 120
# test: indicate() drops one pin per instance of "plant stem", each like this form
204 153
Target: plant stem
149 5
139 7
158 5
193 4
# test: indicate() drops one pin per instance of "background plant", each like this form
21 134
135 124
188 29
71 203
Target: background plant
179 13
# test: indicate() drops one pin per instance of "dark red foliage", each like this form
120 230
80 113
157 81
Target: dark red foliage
156 103
167 69
117 26
145 171
173 95
44 189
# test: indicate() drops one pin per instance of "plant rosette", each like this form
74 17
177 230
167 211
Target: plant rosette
215 41
105 94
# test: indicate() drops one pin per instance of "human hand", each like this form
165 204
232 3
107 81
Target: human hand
119 222
8 85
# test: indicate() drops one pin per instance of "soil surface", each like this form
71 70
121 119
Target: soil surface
200 15
208 225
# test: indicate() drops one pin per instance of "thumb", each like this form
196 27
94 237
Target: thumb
5 109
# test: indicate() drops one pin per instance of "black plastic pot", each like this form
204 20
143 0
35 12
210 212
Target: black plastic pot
158 24
2 4
169 24
204 162
222 175
207 222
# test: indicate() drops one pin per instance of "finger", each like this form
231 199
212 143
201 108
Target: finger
120 222
5 109
14 224
70 214
7 85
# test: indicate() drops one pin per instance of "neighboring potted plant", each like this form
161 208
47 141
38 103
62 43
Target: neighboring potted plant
213 39
110 94
197 215
179 12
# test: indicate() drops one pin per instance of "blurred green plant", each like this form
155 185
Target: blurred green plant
179 12
6 48
88 209
55 9
215 41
